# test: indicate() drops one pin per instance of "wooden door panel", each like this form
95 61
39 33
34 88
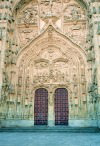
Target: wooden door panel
61 106
41 107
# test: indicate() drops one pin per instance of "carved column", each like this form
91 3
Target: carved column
51 117
96 67
2 49
5 21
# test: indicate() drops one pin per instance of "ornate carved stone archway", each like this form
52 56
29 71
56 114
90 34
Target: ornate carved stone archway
53 60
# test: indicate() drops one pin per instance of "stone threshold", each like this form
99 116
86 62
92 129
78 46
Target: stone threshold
66 129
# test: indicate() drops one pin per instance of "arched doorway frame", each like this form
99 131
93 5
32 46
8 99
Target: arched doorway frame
27 54
51 95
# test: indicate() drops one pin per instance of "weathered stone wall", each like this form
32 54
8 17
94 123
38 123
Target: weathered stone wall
95 22
49 44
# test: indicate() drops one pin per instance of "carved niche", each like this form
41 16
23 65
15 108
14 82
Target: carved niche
27 23
28 15
75 24
50 9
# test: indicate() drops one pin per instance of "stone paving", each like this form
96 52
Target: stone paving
49 139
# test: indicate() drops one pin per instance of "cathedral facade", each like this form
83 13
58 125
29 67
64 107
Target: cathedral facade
50 63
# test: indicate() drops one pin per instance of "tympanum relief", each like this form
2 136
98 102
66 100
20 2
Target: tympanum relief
51 68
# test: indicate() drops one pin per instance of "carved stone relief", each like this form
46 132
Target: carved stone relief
27 34
52 65
28 15
65 15
50 9
77 31
73 12
46 32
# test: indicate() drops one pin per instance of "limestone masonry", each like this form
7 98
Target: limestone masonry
50 48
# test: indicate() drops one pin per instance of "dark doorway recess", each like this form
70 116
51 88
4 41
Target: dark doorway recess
41 107
61 106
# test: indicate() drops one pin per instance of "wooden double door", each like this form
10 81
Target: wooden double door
61 110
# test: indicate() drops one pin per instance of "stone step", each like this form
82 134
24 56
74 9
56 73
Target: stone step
52 129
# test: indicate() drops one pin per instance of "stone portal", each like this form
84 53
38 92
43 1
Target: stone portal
46 47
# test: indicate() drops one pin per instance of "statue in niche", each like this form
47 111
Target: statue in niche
0 33
27 91
30 16
6 85
83 88
35 79
50 9
82 70
27 81
20 81
83 80
67 15
98 30
45 78
26 35
51 99
75 81
77 31
90 55
11 89
66 77
75 91
41 80
75 13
